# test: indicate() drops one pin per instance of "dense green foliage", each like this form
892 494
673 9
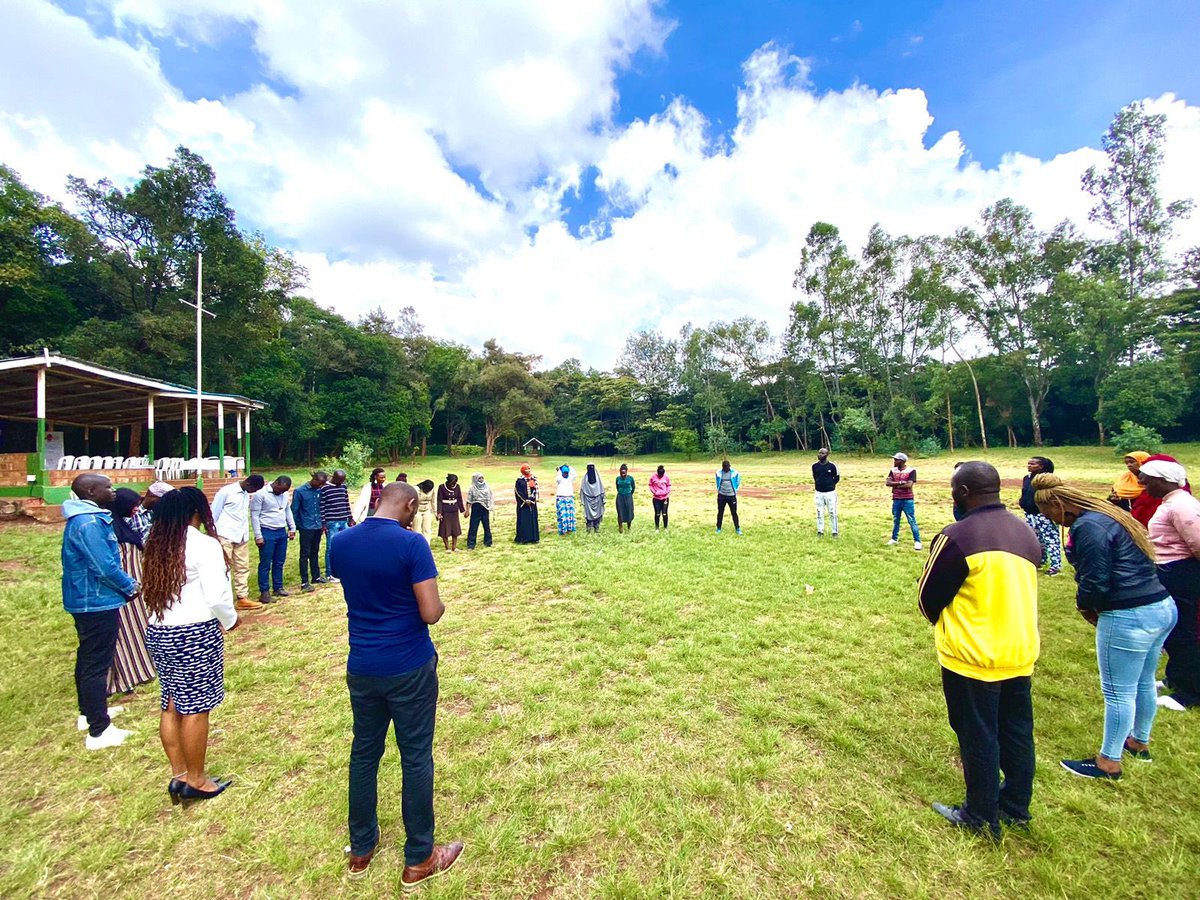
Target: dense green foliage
998 333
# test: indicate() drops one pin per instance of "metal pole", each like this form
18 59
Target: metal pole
150 427
199 369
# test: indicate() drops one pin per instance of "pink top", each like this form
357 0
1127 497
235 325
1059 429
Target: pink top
660 488
1175 528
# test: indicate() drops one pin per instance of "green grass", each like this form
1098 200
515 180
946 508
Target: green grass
651 715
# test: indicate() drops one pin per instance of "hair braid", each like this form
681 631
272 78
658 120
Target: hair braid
1050 489
163 566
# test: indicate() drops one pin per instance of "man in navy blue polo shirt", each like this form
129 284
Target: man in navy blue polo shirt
390 583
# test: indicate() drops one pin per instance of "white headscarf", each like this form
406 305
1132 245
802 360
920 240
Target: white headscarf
1170 472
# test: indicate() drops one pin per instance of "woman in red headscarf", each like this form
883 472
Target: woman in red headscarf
1144 505
526 491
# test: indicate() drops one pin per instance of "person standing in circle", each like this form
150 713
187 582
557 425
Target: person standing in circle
901 479
591 497
426 509
190 601
450 507
526 493
625 489
564 499
825 480
131 660
1046 531
368 497
728 481
482 505
660 492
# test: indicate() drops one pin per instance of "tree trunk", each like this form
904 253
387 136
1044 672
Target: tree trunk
135 440
490 432
1012 437
424 449
950 421
1036 421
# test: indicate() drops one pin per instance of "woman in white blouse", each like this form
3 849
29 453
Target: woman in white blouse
185 584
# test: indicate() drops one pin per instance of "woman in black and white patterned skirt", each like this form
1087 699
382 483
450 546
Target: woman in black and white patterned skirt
185 583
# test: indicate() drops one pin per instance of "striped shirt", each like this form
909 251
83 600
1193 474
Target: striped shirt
335 502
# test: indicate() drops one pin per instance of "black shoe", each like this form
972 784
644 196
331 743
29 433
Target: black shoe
1014 821
189 794
307 588
953 815
1087 768
174 789
280 592
320 579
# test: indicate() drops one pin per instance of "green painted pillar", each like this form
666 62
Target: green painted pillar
221 438
42 477
150 428
246 452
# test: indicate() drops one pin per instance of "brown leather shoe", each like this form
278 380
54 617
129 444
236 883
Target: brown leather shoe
440 860
360 864
246 603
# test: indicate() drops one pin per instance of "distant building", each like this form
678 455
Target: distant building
533 447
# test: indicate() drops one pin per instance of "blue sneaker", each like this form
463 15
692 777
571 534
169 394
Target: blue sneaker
718 531
1087 768
739 531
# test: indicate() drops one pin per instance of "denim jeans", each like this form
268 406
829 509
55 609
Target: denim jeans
994 724
97 633
332 527
408 701
1128 642
310 554
909 508
271 557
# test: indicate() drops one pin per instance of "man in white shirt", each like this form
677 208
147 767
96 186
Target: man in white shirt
231 515
274 526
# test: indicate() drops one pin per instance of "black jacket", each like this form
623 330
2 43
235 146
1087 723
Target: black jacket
1027 504
825 476
1112 573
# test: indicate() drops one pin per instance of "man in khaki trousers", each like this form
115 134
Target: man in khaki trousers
231 515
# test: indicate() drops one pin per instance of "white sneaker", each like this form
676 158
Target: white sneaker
917 545
1159 685
82 724
893 541
111 737
1166 701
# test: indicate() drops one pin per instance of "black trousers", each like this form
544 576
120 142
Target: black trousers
660 510
1182 580
994 724
97 641
409 702
310 554
722 502
479 516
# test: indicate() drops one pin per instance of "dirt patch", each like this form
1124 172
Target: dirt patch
756 493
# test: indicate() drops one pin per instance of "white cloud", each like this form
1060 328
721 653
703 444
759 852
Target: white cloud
355 169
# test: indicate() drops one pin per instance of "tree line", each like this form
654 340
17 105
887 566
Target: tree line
997 333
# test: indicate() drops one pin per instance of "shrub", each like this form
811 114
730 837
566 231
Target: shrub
718 441
857 430
929 446
1136 437
628 444
355 460
467 450
685 440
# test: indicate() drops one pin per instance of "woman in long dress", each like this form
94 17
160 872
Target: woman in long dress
450 507
526 493
131 660
591 496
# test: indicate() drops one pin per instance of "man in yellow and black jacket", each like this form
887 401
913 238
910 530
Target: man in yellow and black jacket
979 591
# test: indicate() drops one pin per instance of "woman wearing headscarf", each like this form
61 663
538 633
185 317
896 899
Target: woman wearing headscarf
426 509
526 493
625 487
1120 593
1127 488
660 492
591 495
449 507
1144 506
131 664
1046 531
564 499
190 601
481 505
1175 535
368 497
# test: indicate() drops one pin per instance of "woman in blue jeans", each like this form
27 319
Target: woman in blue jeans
1118 592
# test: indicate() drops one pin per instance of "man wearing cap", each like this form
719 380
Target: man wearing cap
825 479
901 479
231 515
1175 533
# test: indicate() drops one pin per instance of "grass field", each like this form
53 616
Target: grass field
677 714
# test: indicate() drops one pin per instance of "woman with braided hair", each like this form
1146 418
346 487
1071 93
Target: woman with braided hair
1118 592
185 583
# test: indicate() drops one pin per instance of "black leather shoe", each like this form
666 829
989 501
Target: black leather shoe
1014 821
953 815
189 794
280 592
174 789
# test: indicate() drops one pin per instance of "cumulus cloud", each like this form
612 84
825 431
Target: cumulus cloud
420 155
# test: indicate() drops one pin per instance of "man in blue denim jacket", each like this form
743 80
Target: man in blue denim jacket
94 588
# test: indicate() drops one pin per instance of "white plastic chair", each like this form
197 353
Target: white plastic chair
83 462
118 462
66 462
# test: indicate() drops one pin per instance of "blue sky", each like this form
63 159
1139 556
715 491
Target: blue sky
464 158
